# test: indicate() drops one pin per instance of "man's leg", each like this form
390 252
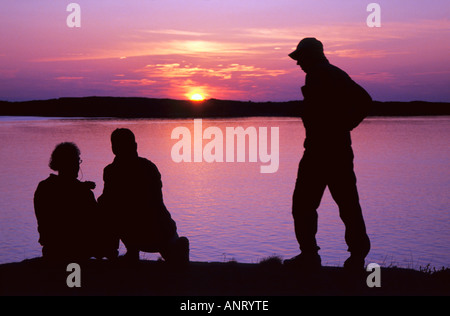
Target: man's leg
308 193
342 185
176 251
132 246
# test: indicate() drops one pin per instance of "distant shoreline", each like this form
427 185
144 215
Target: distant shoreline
130 107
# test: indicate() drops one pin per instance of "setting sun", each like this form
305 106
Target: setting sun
197 97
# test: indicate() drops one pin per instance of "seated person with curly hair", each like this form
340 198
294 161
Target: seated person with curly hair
66 209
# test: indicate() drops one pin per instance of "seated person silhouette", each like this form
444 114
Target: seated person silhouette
132 198
66 208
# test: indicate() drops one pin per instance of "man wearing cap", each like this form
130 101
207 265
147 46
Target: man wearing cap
333 105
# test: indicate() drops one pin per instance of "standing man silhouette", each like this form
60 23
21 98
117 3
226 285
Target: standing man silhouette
333 105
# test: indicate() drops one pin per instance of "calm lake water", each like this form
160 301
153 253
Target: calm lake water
231 210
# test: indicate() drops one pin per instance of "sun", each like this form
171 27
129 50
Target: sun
197 97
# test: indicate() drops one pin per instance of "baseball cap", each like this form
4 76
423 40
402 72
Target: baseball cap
307 45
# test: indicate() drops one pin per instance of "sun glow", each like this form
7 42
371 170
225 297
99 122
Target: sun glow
197 97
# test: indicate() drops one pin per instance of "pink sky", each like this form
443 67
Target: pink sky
231 49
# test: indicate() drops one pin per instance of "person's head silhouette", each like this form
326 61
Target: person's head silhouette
65 159
123 143
309 52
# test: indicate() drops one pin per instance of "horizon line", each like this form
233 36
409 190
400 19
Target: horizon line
199 102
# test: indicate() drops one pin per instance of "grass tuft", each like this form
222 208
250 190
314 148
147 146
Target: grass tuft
271 261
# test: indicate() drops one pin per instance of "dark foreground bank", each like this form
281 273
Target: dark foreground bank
155 278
